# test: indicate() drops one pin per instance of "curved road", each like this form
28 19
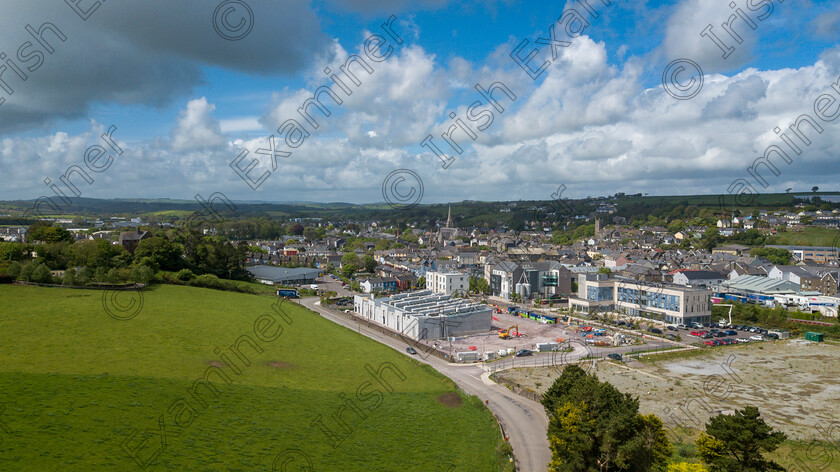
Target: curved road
524 421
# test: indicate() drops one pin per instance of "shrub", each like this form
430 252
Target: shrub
69 277
141 274
13 269
41 274
185 275
26 272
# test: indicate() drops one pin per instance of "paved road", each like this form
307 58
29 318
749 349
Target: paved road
524 421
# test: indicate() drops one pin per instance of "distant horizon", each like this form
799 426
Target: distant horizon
820 193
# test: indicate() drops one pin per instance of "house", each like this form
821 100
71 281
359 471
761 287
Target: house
371 285
130 239
698 278
405 280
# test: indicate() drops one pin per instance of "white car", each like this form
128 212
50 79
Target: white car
757 337
742 340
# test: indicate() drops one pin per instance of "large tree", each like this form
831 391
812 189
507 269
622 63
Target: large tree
162 252
47 233
594 427
738 442
368 263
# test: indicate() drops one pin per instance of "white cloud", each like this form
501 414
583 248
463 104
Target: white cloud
197 129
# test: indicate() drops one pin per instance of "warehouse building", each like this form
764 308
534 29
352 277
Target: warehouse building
425 314
271 275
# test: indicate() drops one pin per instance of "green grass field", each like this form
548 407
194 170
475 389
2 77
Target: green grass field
76 384
809 236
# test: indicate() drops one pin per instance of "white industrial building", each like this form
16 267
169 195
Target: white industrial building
447 283
425 314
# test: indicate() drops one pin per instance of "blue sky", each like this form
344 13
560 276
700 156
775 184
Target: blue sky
187 102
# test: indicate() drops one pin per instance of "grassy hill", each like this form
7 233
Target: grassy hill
76 384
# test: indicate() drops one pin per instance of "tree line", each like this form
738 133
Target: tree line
92 261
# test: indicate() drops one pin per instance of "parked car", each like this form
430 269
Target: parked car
720 334
672 337
614 356
696 325
655 330
714 325
732 332
682 326
622 323
757 337
671 328
753 329
523 353
411 350
743 340
707 336
773 335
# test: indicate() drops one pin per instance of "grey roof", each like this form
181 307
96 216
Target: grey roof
281 274
758 284
702 274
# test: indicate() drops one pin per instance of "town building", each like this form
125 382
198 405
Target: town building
425 314
816 254
662 302
447 283
130 239
379 284
698 278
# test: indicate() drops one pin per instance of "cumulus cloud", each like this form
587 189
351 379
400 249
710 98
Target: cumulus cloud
197 129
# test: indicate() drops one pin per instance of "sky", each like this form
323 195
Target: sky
160 99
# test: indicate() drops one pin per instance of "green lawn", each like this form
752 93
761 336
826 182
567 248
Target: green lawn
76 383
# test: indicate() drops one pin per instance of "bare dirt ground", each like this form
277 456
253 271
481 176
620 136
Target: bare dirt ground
532 332
795 384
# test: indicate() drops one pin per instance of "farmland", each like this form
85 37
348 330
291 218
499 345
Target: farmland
77 384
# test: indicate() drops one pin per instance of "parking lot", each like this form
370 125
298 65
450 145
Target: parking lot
715 335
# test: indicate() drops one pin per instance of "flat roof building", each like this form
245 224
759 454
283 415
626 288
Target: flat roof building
662 302
447 283
425 314
270 275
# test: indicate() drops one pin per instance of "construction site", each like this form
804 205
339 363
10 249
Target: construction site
514 329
